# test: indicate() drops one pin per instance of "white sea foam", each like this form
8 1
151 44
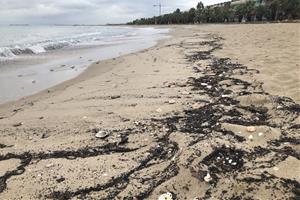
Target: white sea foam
22 41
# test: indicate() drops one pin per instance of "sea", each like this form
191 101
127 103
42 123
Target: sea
34 58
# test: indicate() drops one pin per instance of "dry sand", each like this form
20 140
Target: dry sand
180 118
273 49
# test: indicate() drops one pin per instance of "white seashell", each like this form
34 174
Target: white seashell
250 137
260 134
204 84
166 196
50 165
275 168
101 134
185 92
224 96
207 178
279 107
172 101
159 110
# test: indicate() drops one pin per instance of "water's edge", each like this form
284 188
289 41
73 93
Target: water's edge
66 65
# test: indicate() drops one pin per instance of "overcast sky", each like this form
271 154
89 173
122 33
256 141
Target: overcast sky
86 11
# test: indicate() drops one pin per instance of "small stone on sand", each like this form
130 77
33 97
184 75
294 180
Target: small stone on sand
18 124
115 97
196 106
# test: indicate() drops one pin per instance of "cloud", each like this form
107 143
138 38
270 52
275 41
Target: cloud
85 11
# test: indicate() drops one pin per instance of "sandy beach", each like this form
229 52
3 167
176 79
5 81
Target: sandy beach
209 113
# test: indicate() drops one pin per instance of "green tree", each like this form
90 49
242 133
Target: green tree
200 6
262 11
192 15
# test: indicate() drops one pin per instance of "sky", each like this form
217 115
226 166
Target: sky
86 11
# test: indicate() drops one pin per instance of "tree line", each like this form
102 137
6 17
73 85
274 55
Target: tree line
269 10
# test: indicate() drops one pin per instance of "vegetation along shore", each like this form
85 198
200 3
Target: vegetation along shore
232 11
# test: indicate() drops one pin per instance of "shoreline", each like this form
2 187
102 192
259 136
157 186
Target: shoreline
40 72
179 116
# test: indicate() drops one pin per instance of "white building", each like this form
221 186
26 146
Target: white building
237 2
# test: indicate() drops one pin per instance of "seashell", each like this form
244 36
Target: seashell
275 168
185 92
172 101
166 196
279 107
251 129
207 178
225 96
50 165
101 134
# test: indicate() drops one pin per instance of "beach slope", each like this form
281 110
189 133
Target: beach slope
205 114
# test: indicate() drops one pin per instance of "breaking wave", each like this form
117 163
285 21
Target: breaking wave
10 52
41 40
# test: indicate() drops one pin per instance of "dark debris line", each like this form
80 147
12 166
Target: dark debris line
165 150
205 121
201 123
86 152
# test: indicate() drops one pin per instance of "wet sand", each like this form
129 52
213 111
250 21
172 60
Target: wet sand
189 116
27 75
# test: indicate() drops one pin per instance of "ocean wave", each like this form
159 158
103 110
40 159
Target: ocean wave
10 52
42 45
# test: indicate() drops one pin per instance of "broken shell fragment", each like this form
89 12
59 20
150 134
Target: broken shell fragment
251 129
275 168
207 178
166 196
159 110
260 134
172 101
102 134
225 96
